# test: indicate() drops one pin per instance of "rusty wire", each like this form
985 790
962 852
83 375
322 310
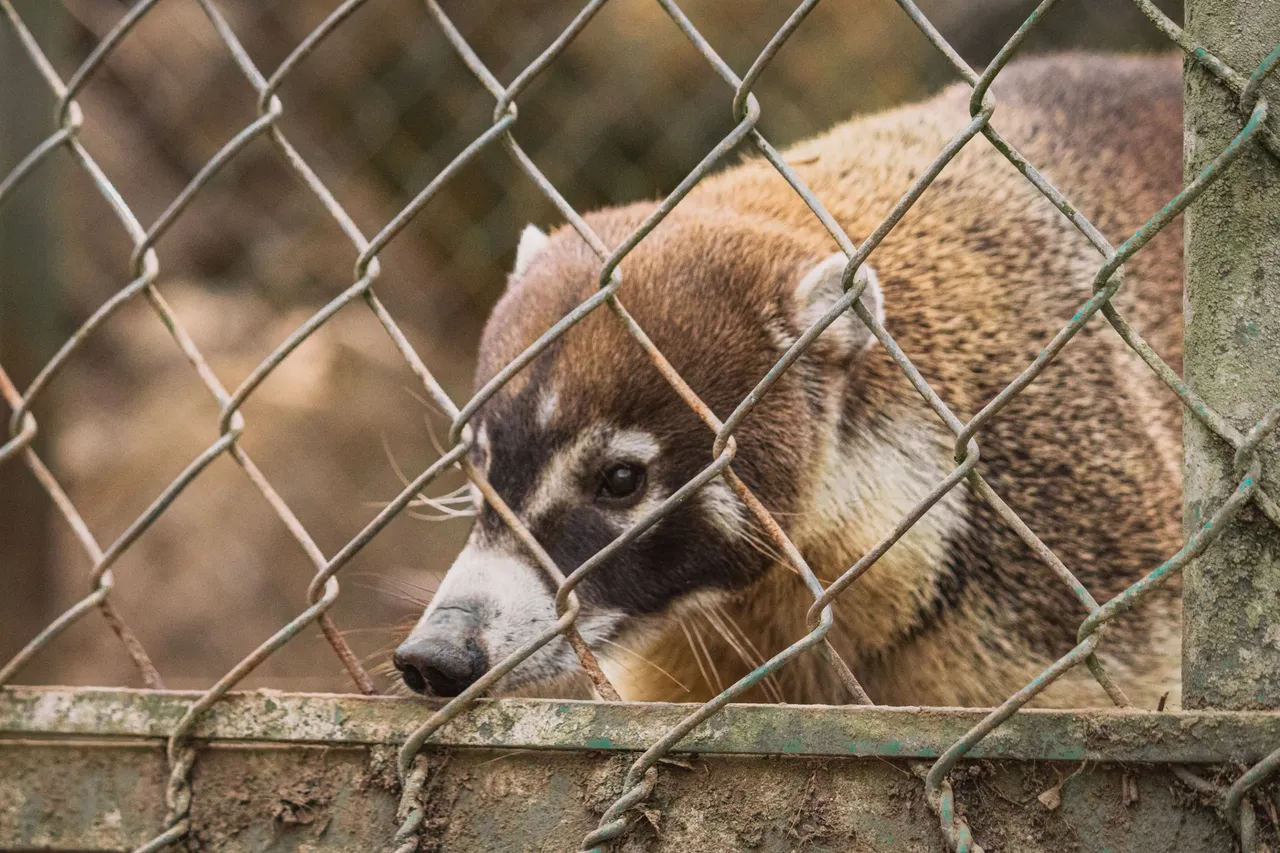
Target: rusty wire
746 111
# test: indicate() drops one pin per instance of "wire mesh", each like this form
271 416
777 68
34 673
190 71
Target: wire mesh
323 590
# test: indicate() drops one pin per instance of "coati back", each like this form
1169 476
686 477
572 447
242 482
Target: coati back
972 284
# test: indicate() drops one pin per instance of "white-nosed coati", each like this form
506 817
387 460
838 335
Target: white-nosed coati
972 284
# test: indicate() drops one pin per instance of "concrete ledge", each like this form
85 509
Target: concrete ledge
1098 735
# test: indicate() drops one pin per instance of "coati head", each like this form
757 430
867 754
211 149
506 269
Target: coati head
590 437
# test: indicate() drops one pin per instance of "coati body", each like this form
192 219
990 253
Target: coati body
972 284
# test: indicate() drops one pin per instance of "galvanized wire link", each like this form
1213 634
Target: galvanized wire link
746 113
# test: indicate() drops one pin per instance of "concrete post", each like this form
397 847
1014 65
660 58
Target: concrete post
1231 619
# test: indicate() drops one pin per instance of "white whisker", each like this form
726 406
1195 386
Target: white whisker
706 677
443 508
645 660
770 683
711 662
391 458
429 404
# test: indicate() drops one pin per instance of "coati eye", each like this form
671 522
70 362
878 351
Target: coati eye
621 481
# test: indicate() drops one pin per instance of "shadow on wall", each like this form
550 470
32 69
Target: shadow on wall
378 110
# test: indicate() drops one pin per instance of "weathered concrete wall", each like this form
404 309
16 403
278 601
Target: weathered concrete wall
72 796
86 770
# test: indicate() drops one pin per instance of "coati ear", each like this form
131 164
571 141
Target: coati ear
822 287
532 241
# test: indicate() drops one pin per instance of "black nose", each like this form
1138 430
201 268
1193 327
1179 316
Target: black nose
441 666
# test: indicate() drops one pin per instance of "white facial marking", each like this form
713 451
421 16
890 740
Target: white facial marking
633 445
724 507
489 576
512 605
562 475
558 479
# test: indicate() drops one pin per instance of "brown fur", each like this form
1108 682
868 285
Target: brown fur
976 280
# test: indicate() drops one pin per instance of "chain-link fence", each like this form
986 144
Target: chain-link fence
1243 86
381 108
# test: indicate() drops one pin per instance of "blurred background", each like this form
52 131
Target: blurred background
377 110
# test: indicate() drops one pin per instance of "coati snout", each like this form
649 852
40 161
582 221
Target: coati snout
590 438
